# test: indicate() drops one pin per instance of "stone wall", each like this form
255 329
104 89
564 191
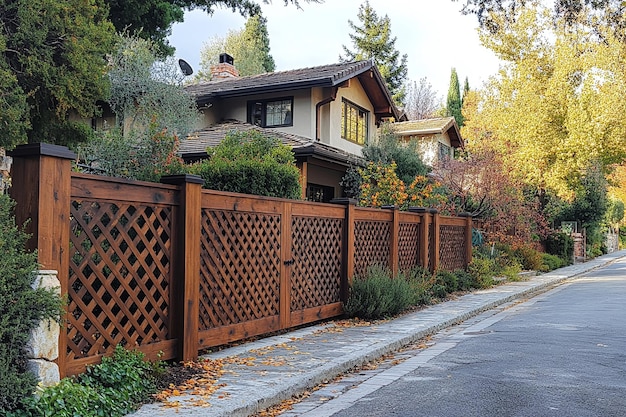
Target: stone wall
43 347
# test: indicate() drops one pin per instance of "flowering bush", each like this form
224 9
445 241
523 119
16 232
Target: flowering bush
381 186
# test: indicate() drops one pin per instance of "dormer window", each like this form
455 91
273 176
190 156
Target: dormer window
354 121
271 113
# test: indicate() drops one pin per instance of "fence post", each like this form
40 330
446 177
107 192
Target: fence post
435 249
423 238
468 237
284 309
394 260
186 264
41 176
348 246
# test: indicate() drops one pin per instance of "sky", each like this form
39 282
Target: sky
433 33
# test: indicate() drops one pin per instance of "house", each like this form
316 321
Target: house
326 113
436 138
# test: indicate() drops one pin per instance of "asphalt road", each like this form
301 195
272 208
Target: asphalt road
562 353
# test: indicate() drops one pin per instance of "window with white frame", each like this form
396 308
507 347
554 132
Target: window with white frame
354 121
271 113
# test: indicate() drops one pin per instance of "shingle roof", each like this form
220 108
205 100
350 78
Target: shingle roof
423 126
325 75
196 144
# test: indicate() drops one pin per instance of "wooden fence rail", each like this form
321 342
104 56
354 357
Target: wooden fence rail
171 268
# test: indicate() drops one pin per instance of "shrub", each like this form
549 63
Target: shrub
482 271
21 309
465 280
250 163
529 258
446 282
113 388
377 295
562 245
551 262
421 281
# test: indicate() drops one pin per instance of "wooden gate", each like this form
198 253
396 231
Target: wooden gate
267 265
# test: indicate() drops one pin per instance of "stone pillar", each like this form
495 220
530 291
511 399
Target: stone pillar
43 347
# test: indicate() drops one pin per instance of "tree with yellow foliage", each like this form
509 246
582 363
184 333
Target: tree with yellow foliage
556 108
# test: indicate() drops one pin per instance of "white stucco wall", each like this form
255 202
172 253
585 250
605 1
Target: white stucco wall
428 146
237 109
355 94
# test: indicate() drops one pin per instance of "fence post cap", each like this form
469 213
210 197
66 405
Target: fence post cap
415 209
45 149
389 207
182 179
433 210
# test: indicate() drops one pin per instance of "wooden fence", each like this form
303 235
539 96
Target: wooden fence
171 268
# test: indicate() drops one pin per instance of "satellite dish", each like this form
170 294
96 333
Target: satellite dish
185 67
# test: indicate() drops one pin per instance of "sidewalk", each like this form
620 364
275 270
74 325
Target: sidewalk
264 372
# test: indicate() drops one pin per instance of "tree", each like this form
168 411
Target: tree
153 19
466 90
386 149
479 184
494 15
52 61
453 103
421 100
556 107
372 40
153 111
249 47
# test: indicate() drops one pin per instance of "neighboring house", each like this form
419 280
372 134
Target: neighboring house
326 113
436 138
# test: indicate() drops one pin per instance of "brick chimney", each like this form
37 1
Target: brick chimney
225 68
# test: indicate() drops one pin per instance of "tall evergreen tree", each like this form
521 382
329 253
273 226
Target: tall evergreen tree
249 47
466 89
453 103
372 40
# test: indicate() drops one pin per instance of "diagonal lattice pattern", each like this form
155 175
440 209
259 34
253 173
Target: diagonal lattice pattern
452 247
119 279
316 250
240 267
408 246
371 245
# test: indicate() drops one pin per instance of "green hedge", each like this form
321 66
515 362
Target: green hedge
250 163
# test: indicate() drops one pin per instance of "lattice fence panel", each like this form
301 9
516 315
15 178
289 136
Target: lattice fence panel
451 247
372 241
431 230
316 273
240 267
118 290
408 246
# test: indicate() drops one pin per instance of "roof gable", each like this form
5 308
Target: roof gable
433 126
